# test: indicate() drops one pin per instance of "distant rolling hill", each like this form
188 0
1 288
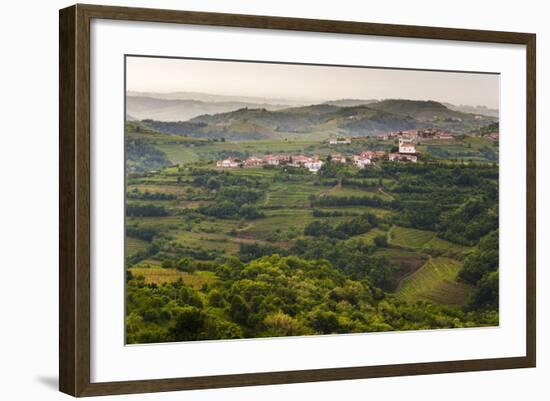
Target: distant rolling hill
351 102
419 110
144 107
321 121
480 110
209 97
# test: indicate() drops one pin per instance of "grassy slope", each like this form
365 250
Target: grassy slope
369 236
410 237
435 282
422 239
134 245
159 275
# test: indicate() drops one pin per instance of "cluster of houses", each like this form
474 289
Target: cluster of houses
312 163
406 152
415 135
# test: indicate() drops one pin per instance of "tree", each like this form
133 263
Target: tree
486 293
168 263
380 241
184 265
215 299
281 324
188 323
482 261
238 310
250 212
325 322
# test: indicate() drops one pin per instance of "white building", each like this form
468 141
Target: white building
300 160
406 146
339 141
444 135
313 165
276 160
230 162
338 158
362 162
395 157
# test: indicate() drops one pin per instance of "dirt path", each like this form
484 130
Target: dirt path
385 193
388 235
334 188
246 240
267 198
246 227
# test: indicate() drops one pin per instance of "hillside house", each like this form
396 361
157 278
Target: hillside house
300 160
444 135
338 158
368 154
230 162
339 141
276 160
314 165
407 152
361 161
410 134
396 157
253 162
406 146
428 133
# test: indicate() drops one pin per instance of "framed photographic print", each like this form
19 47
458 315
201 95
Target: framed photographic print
250 200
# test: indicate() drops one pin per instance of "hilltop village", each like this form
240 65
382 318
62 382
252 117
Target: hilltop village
406 152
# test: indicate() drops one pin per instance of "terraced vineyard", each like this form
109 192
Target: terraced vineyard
435 281
423 239
410 237
134 245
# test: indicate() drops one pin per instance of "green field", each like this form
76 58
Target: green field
407 261
134 245
423 239
369 236
441 244
410 237
207 241
279 224
435 281
347 190
291 195
159 275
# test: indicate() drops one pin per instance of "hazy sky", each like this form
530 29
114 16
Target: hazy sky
307 82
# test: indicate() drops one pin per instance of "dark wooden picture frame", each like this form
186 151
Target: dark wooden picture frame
74 203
